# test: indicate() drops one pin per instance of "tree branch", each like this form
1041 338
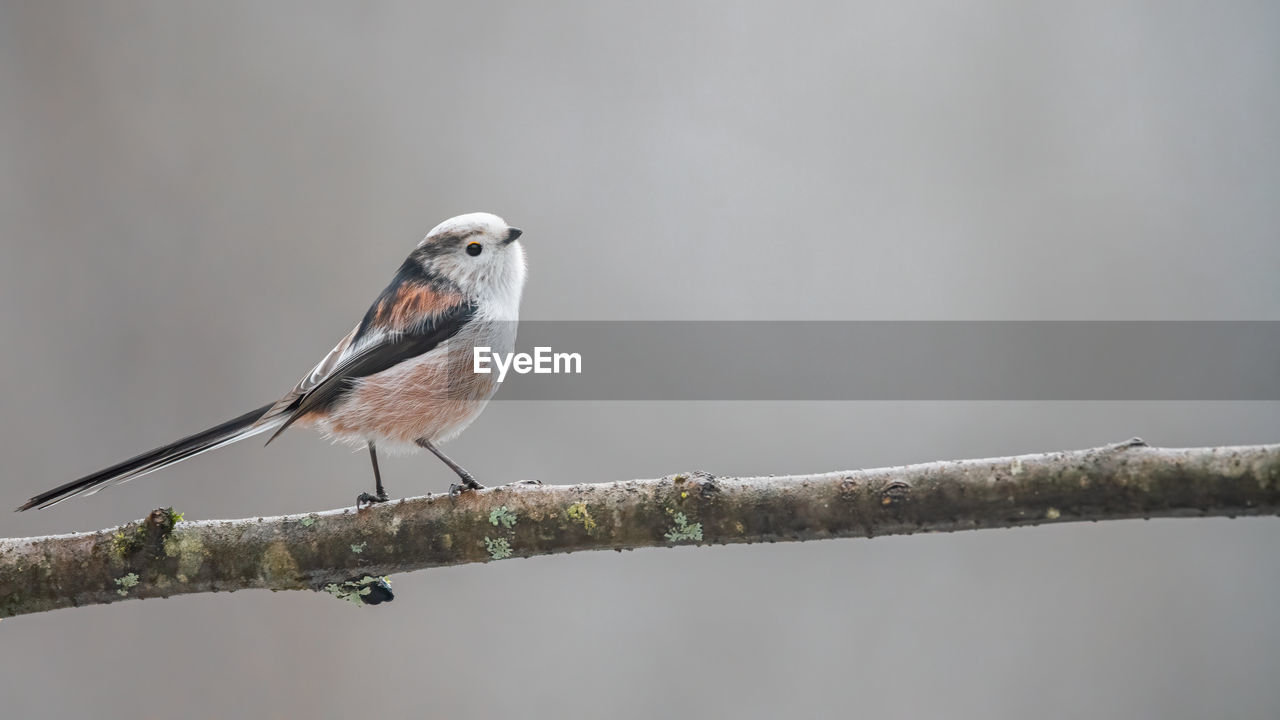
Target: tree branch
347 552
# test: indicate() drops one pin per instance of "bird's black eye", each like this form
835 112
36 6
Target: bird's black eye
474 249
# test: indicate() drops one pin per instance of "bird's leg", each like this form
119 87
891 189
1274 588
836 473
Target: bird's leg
468 482
381 495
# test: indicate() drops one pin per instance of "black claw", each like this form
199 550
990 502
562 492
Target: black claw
365 498
458 489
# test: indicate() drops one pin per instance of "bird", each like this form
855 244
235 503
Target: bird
402 379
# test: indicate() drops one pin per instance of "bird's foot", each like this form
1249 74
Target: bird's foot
370 499
468 483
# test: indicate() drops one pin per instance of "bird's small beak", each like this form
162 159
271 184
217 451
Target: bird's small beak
512 235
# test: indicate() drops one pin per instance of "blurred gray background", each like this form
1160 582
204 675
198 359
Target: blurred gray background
198 199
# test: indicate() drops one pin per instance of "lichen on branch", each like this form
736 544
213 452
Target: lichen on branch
349 553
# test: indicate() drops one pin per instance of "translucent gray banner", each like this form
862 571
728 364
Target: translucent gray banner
1122 360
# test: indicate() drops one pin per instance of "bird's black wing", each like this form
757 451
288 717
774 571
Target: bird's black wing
380 354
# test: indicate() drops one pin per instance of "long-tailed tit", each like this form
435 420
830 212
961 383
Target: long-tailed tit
402 379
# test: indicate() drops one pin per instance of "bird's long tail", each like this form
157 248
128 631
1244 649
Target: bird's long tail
215 437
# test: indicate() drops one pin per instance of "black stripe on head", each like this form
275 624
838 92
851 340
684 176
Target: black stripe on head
445 244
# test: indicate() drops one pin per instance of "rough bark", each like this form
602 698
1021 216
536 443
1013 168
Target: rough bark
345 551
